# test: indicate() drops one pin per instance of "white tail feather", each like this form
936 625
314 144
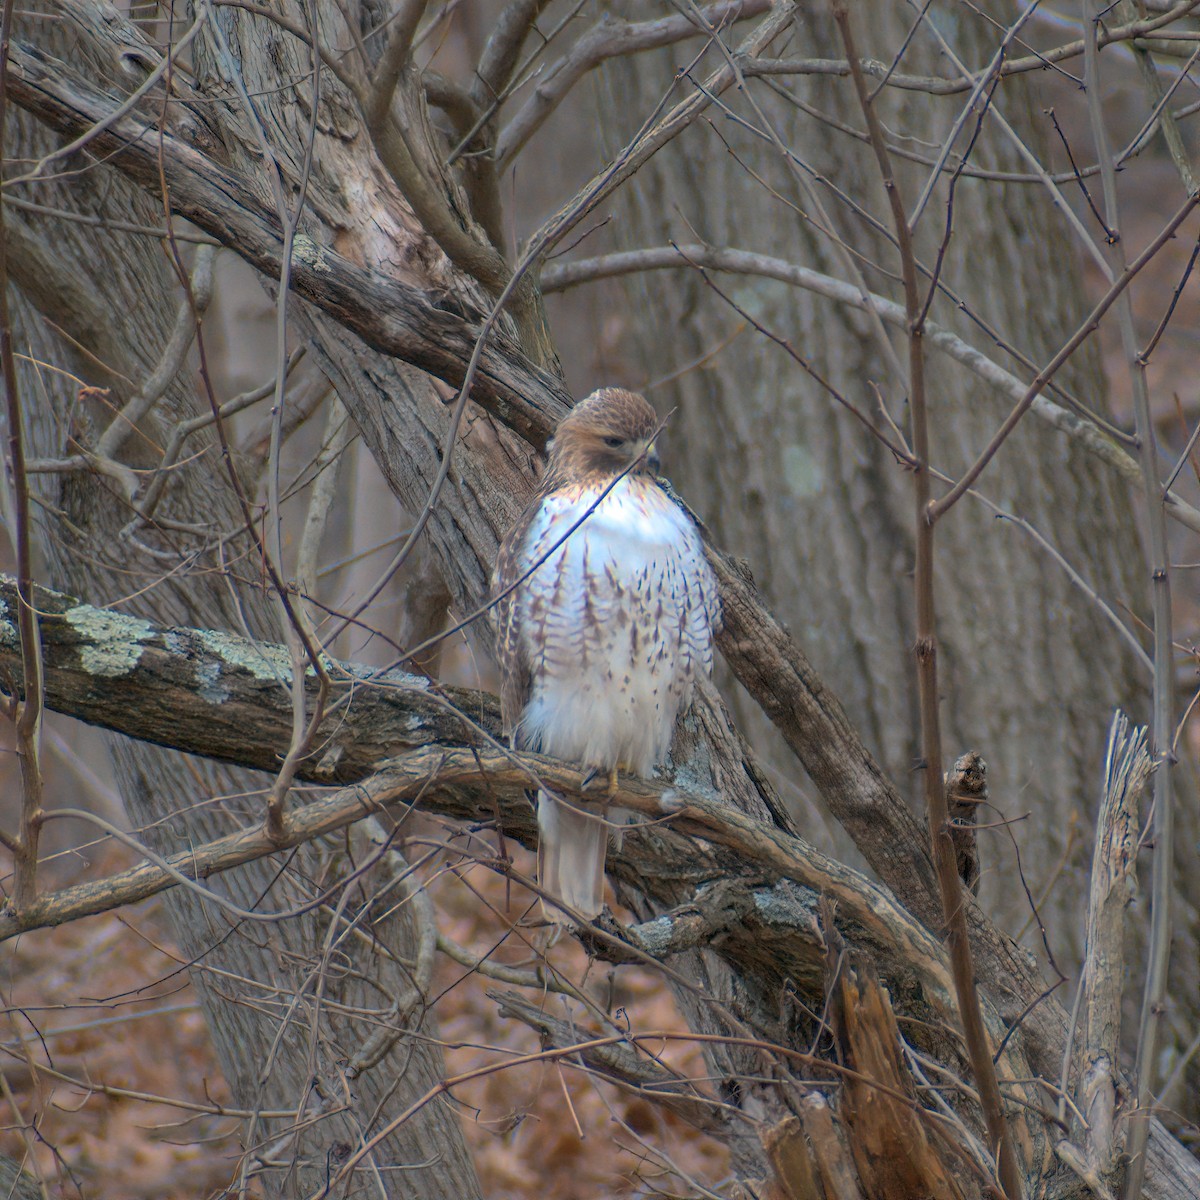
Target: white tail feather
571 851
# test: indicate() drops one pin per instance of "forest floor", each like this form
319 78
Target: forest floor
105 1009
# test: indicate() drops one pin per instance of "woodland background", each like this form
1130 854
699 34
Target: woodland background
178 1047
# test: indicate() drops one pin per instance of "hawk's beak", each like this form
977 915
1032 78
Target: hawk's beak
653 462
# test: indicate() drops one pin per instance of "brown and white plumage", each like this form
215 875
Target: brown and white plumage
603 636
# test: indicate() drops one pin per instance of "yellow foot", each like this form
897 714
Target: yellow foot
592 774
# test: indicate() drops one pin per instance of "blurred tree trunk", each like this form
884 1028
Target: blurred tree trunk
1030 670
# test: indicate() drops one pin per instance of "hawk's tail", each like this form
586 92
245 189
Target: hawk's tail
571 850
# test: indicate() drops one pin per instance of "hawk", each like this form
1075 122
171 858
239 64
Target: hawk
606 609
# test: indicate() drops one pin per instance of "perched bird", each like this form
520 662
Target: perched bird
606 609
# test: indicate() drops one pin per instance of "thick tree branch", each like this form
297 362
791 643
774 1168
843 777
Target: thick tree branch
224 697
390 316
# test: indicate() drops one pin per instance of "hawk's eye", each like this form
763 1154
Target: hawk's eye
614 442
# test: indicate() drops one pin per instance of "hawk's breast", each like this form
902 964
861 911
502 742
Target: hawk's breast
615 619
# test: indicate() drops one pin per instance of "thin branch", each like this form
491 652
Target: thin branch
1153 488
1161 328
338 431
170 362
297 629
126 107
656 134
107 223
184 430
936 85
823 220
1163 725
988 75
609 38
1018 143
941 837
1091 433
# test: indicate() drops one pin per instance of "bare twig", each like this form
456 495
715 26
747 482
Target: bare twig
1152 487
1161 328
300 645
338 430
184 430
170 362
989 74
610 38
823 220
654 135
1091 433
940 86
108 223
1068 214
161 68
945 859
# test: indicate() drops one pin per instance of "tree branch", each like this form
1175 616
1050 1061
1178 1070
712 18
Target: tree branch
954 915
609 38
559 276
936 85
390 316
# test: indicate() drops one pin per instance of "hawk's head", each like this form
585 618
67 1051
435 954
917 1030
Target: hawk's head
611 431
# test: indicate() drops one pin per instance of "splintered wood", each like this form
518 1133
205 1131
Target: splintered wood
866 1138
889 1140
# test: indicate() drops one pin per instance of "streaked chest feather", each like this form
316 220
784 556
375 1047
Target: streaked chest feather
615 620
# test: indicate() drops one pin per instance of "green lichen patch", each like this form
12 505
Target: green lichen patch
264 660
110 643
